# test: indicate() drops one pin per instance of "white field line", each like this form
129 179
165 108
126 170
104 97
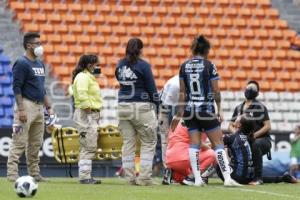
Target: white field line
261 192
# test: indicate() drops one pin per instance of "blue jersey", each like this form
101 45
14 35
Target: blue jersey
197 74
240 155
29 79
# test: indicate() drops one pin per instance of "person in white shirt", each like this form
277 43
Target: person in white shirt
169 100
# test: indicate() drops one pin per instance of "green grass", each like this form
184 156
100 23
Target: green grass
117 189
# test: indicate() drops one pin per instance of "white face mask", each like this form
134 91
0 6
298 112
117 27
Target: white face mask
38 51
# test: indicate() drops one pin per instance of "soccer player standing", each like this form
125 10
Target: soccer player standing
30 94
198 91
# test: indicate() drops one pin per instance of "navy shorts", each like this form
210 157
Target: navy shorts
203 122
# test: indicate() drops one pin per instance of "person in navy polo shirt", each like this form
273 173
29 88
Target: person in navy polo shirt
30 94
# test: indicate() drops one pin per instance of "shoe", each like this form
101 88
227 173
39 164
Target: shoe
120 172
188 181
131 182
12 178
90 181
256 182
146 183
231 183
199 183
289 178
167 179
205 180
39 178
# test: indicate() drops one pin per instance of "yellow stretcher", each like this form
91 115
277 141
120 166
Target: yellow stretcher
65 143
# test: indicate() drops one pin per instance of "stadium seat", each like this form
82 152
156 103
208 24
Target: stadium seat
291 117
270 106
5 101
6 122
284 126
4 59
294 106
286 96
227 95
7 91
272 96
276 116
249 40
9 112
292 86
281 106
264 85
239 95
270 43
5 80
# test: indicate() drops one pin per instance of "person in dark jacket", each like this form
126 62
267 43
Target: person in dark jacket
138 100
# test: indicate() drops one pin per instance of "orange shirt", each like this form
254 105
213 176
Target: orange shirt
178 144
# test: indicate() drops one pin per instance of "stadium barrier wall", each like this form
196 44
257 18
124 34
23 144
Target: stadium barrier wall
102 168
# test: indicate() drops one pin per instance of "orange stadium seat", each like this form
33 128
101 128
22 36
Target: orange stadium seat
269 75
17 6
248 38
264 86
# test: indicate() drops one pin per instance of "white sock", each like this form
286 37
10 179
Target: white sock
209 171
194 160
223 161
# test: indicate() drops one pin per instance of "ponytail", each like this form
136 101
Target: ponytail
133 50
200 45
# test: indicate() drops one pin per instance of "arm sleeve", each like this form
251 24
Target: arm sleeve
235 114
213 73
266 114
19 73
82 89
150 84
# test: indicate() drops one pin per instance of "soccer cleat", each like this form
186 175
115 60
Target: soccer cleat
205 180
167 179
199 183
289 178
231 183
90 181
188 181
256 182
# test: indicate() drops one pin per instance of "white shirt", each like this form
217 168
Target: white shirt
170 93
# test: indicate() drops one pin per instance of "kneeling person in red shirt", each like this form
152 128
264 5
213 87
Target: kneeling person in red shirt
178 161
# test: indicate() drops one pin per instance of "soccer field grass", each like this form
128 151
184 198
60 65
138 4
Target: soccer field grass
117 189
